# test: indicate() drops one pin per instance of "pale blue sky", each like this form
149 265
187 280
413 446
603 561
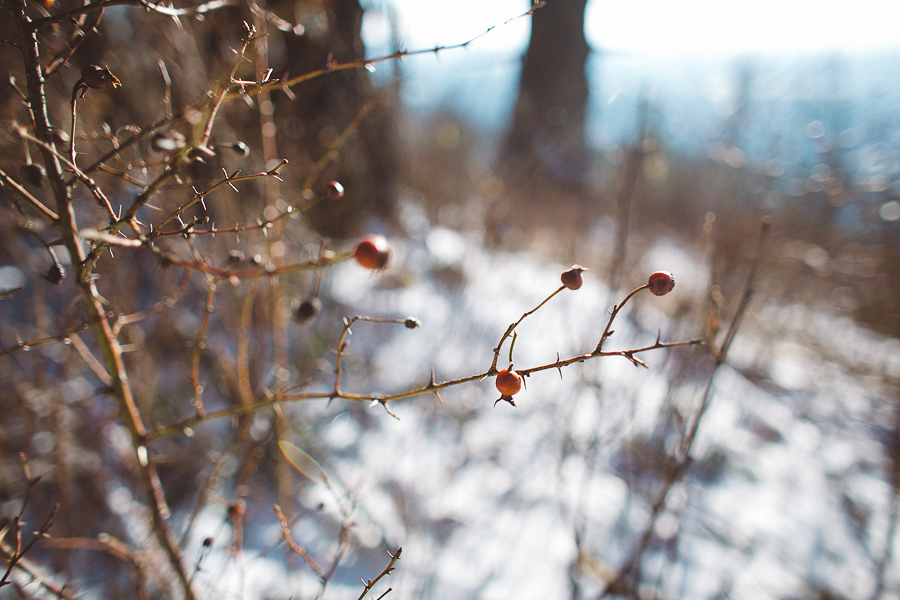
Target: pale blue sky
667 27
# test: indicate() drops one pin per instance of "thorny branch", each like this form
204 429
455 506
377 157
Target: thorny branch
387 571
297 548
18 551
86 284
270 398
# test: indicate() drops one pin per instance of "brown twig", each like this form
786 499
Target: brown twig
59 337
167 10
607 331
19 551
26 196
293 545
199 197
509 330
432 387
387 571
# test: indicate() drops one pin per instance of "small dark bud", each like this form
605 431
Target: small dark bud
34 174
97 77
307 310
207 542
55 274
235 257
412 323
241 148
334 190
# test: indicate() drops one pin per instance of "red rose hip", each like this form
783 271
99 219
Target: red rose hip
373 252
572 278
661 283
508 382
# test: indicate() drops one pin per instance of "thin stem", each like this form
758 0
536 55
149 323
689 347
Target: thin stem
509 330
612 317
26 196
199 347
167 10
387 571
59 337
431 387
201 196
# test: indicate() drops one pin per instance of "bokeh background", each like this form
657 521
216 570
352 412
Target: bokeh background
626 137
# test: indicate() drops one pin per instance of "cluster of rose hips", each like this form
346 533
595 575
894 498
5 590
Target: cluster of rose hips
373 252
509 383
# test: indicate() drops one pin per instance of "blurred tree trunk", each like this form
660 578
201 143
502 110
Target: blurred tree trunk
323 107
547 133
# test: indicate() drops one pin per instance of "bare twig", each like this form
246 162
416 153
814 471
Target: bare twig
19 551
59 337
387 571
26 196
509 330
293 545
268 398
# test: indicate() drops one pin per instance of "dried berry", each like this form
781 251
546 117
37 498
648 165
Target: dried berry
661 283
334 190
34 174
307 310
241 148
572 278
97 77
412 323
509 383
372 252
55 274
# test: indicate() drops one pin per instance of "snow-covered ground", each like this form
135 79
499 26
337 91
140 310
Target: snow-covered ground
789 494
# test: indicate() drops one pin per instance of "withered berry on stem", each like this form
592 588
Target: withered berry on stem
34 174
373 252
55 274
98 77
307 310
660 283
572 278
